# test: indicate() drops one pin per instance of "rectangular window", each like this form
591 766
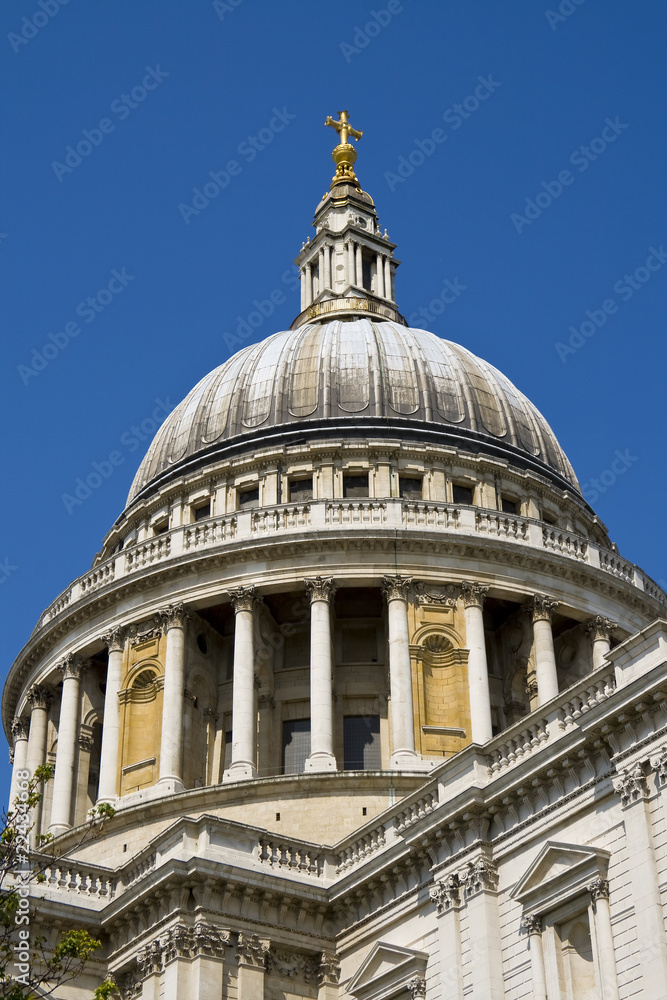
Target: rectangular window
301 490
411 488
509 506
160 527
366 270
355 487
296 745
201 513
361 743
462 494
248 497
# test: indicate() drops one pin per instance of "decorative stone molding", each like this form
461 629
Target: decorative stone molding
136 636
478 875
293 965
20 728
40 696
150 959
531 923
210 941
320 589
542 607
114 639
174 616
631 785
658 763
11 755
181 941
252 950
396 588
244 598
329 970
599 889
72 667
446 894
473 594
86 742
447 596
416 987
600 627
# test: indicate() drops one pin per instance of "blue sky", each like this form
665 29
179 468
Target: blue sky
547 190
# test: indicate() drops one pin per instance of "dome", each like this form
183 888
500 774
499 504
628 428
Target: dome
364 377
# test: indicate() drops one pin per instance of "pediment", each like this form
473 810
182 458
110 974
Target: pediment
559 871
386 971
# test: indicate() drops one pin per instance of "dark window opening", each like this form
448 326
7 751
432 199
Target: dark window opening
301 490
161 527
202 645
249 498
366 273
462 494
361 743
548 520
355 486
202 512
296 745
509 506
411 488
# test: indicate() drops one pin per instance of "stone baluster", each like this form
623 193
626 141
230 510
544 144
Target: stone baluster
20 727
600 629
244 710
115 642
395 590
39 698
66 751
174 619
473 595
532 925
541 609
321 756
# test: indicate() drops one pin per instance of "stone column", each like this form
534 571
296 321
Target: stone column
379 275
252 953
478 674
543 644
359 266
387 279
208 962
20 740
532 925
244 712
328 977
39 698
115 641
309 285
480 880
68 732
321 756
600 629
395 590
446 895
349 263
599 890
302 282
86 746
643 874
174 620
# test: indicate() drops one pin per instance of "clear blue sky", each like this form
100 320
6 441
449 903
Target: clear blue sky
209 76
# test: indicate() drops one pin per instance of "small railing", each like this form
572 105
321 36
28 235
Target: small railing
285 854
565 542
71 877
361 849
356 512
146 553
611 563
501 525
415 811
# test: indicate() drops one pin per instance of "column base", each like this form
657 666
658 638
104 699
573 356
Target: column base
321 760
171 784
408 760
56 829
242 770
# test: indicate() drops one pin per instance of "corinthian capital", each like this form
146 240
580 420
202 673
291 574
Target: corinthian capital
395 588
320 588
600 627
598 888
531 923
446 893
541 607
416 987
329 969
114 639
244 598
40 696
174 616
252 950
473 594
20 727
478 875
71 667
631 785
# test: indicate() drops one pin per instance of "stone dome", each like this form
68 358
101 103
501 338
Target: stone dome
361 377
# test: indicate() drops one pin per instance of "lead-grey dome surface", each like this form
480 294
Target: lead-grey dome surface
358 377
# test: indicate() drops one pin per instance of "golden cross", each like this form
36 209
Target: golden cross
343 127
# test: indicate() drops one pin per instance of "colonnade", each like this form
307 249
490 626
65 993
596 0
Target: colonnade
30 740
318 273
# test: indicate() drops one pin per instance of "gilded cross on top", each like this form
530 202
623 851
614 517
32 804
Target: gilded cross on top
343 127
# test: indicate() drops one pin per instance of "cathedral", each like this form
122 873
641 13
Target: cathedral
380 708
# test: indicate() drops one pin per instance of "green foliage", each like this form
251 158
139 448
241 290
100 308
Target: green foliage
107 991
